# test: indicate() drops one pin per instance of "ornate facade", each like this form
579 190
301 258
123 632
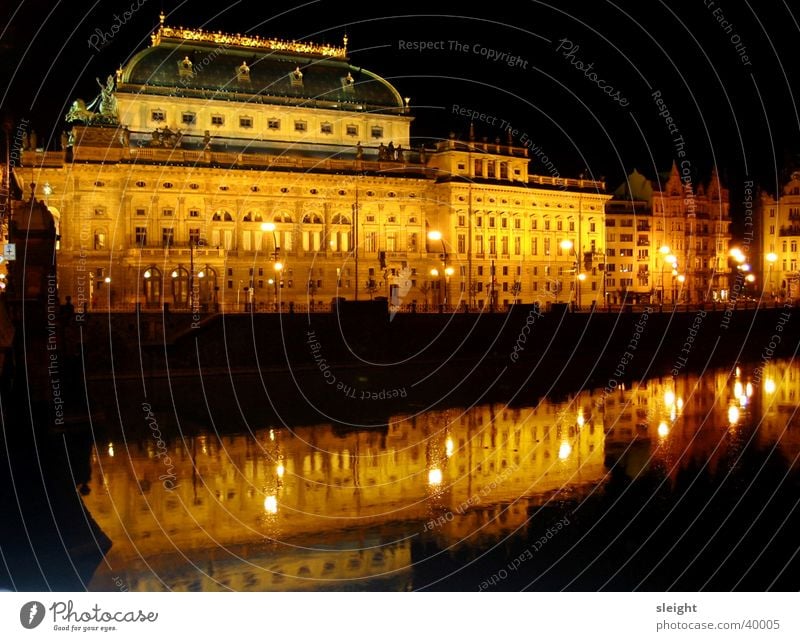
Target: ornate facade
669 242
780 234
233 172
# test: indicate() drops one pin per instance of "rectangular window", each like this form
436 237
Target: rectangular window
245 122
592 227
518 246
141 236
535 246
300 125
462 244
194 235
326 128
99 240
167 236
141 212
351 130
376 132
218 120
274 124
167 211
189 118
462 220
194 213
157 115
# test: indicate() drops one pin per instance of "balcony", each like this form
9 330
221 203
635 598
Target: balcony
789 230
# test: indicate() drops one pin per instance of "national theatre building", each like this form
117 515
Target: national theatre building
229 172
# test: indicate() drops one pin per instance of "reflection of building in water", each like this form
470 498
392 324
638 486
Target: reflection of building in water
776 396
313 509
684 420
285 511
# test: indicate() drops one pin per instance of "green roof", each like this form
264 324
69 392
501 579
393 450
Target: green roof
214 73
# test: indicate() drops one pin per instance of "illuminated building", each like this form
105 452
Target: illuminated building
780 234
667 242
239 172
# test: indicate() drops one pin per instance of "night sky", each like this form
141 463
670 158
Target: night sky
733 108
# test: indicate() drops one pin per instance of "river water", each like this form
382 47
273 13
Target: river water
688 483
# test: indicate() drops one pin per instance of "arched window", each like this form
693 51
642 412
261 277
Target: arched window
339 237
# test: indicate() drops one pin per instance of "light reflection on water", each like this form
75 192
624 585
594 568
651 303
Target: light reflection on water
312 508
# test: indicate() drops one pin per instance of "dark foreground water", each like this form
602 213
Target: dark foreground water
684 484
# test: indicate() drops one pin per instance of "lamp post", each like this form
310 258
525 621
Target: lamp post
665 251
568 246
772 258
435 235
275 254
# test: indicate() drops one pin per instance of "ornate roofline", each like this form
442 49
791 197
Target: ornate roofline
246 42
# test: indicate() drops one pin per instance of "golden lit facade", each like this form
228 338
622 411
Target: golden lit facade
669 242
780 234
232 172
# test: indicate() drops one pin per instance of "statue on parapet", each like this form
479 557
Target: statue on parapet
105 102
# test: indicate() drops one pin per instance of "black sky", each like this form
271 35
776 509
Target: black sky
741 117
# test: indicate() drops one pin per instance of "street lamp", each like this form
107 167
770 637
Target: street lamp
567 246
277 265
665 251
772 258
436 236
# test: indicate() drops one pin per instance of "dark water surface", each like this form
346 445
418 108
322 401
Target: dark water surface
686 484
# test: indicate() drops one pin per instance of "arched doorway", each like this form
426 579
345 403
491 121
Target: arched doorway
180 287
151 287
207 281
